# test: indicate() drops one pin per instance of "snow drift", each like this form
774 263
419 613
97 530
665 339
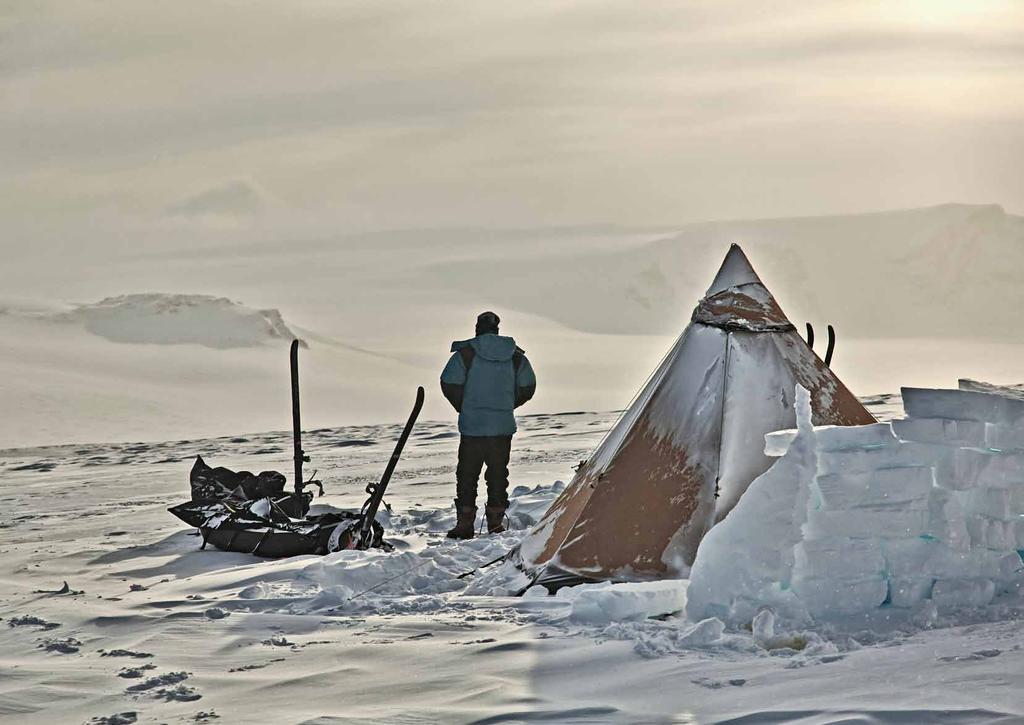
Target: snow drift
175 319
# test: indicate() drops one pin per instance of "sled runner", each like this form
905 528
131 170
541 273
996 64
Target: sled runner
252 513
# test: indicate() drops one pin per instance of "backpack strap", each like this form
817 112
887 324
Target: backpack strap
467 354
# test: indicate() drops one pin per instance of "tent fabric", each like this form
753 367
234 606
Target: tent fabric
687 448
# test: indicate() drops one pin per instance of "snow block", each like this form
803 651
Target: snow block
907 486
993 503
1008 566
763 626
863 460
977 467
956 593
910 558
777 443
866 524
842 437
990 533
906 558
606 602
833 438
830 597
742 562
946 521
941 431
974 563
838 558
707 631
1004 437
908 592
962 405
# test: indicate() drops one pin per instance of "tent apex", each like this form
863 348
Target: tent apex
735 270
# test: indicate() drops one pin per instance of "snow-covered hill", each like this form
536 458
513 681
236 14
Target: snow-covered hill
169 319
918 297
947 271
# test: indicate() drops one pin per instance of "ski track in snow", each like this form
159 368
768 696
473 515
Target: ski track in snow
153 629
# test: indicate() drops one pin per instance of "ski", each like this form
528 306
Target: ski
831 346
810 335
299 455
376 491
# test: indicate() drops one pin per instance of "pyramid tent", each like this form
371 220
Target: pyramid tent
684 452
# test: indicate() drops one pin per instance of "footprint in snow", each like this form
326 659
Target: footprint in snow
170 688
247 668
67 646
134 673
170 678
41 466
31 621
973 656
181 693
121 718
124 653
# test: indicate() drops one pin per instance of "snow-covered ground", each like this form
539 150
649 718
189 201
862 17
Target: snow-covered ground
179 338
156 630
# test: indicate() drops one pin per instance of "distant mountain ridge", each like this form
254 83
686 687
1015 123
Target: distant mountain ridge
951 270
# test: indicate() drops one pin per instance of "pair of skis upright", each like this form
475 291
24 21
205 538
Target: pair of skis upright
831 342
376 491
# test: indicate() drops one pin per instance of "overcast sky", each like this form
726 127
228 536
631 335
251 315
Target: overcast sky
406 114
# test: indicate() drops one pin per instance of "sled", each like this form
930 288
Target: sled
251 513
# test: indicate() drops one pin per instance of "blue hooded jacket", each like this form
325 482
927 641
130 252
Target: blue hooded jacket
499 380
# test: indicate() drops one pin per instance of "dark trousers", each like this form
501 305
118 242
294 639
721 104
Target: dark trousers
474 453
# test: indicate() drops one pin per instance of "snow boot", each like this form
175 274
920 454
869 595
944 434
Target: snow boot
464 525
495 519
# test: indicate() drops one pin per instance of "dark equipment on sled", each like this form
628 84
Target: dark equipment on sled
251 513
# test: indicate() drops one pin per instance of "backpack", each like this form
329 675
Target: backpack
468 354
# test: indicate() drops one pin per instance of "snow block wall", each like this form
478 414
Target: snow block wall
928 508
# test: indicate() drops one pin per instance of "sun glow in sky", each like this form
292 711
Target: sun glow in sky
334 117
944 12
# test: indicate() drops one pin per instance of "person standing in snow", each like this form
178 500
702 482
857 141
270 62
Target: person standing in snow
486 378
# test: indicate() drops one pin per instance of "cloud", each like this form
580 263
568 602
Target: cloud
234 198
409 113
